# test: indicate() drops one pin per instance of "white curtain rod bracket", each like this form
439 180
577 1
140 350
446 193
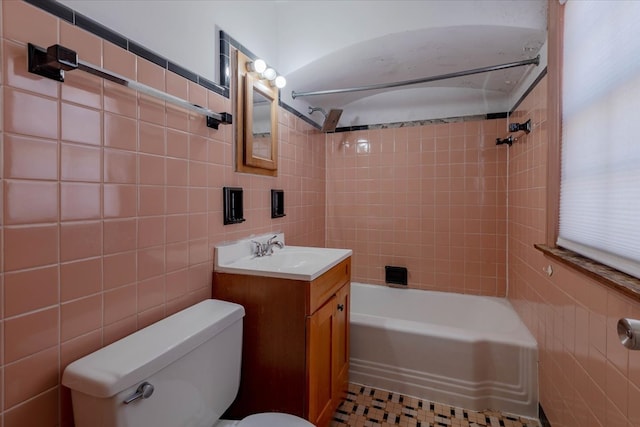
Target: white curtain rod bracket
56 59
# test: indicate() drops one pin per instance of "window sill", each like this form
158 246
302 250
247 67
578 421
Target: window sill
610 277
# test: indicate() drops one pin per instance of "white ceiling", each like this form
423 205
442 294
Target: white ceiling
453 36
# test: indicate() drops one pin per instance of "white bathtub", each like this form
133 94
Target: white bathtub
461 350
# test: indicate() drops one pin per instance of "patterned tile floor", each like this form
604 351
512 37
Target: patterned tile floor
368 407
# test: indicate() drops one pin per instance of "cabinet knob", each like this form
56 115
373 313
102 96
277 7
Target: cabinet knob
340 307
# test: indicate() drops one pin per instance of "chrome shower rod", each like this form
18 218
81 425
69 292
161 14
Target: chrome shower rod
55 60
535 61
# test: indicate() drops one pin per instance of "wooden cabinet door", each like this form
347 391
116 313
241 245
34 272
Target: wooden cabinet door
341 343
320 367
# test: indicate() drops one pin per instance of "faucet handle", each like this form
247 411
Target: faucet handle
259 248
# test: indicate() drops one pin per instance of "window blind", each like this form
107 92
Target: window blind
600 165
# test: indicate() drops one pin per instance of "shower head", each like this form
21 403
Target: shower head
330 119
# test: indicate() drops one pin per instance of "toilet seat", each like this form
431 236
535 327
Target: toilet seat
274 419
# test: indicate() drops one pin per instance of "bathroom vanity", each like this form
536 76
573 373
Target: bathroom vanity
295 355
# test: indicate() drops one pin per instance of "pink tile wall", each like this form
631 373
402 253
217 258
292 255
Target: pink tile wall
587 378
430 198
111 203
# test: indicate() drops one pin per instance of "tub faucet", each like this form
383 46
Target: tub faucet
266 248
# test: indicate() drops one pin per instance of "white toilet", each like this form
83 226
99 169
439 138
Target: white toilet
182 371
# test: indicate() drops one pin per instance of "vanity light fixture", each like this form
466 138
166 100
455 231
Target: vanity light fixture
279 82
259 66
269 74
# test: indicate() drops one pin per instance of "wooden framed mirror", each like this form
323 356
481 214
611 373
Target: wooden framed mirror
257 123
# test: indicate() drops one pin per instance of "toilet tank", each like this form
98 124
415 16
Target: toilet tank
192 360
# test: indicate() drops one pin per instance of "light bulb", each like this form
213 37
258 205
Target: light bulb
258 66
280 82
269 74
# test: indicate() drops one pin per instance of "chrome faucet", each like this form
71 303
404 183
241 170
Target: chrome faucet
266 248
271 243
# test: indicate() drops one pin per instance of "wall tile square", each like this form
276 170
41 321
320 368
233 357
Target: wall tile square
151 200
177 256
119 99
119 60
80 316
87 45
80 124
151 262
82 88
177 144
28 202
29 334
25 23
119 235
80 278
80 201
152 139
119 270
119 304
38 411
30 158
120 131
30 290
80 240
32 246
120 201
29 114
120 166
30 376
151 293
151 231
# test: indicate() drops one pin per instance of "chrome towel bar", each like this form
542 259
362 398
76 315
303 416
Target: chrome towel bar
56 59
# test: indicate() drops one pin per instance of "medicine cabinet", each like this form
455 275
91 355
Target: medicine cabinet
257 121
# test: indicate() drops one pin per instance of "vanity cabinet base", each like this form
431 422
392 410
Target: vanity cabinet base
295 355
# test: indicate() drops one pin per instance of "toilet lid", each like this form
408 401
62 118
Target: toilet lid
274 419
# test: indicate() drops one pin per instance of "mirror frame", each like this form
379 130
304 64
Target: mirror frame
246 83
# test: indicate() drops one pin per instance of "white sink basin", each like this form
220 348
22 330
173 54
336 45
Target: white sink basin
291 262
